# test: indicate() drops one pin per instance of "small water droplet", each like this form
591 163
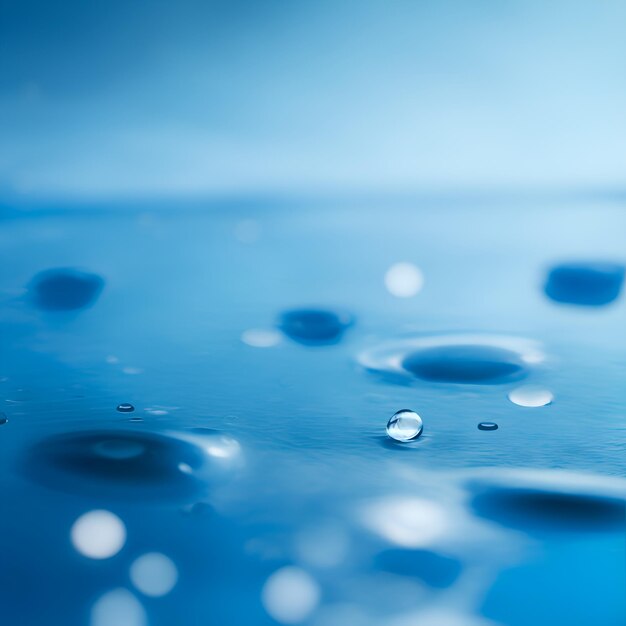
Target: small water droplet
3 419
65 289
531 396
585 283
487 426
135 419
315 326
405 425
132 371
125 407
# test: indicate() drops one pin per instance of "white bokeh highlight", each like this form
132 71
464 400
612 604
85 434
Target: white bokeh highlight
118 607
98 534
154 574
290 595
404 280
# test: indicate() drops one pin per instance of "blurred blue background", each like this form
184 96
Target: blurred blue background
142 99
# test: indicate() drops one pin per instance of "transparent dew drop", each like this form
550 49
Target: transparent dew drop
405 425
531 396
487 426
3 419
125 407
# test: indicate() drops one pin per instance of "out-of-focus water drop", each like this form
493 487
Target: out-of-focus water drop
585 283
453 359
487 426
118 464
98 534
154 574
118 607
405 425
65 289
315 326
465 364
125 407
404 280
531 396
3 419
290 595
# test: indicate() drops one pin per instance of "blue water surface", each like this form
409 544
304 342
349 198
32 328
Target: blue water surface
264 354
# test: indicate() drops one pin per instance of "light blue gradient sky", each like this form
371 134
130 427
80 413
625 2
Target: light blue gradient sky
105 100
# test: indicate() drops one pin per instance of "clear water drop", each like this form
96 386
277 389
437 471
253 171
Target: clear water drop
125 407
3 419
531 396
487 426
405 425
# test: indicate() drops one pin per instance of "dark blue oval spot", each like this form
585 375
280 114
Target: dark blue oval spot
538 510
314 326
118 463
586 284
65 289
465 364
434 569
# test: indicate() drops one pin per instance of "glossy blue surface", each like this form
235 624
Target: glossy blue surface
254 456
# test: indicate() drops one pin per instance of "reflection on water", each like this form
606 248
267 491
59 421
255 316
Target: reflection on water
251 482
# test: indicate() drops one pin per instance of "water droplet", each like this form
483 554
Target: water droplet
154 574
585 283
404 280
3 419
531 396
132 371
464 364
540 501
124 464
135 419
314 326
290 595
405 425
125 408
550 510
260 338
487 426
456 359
98 534
65 289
